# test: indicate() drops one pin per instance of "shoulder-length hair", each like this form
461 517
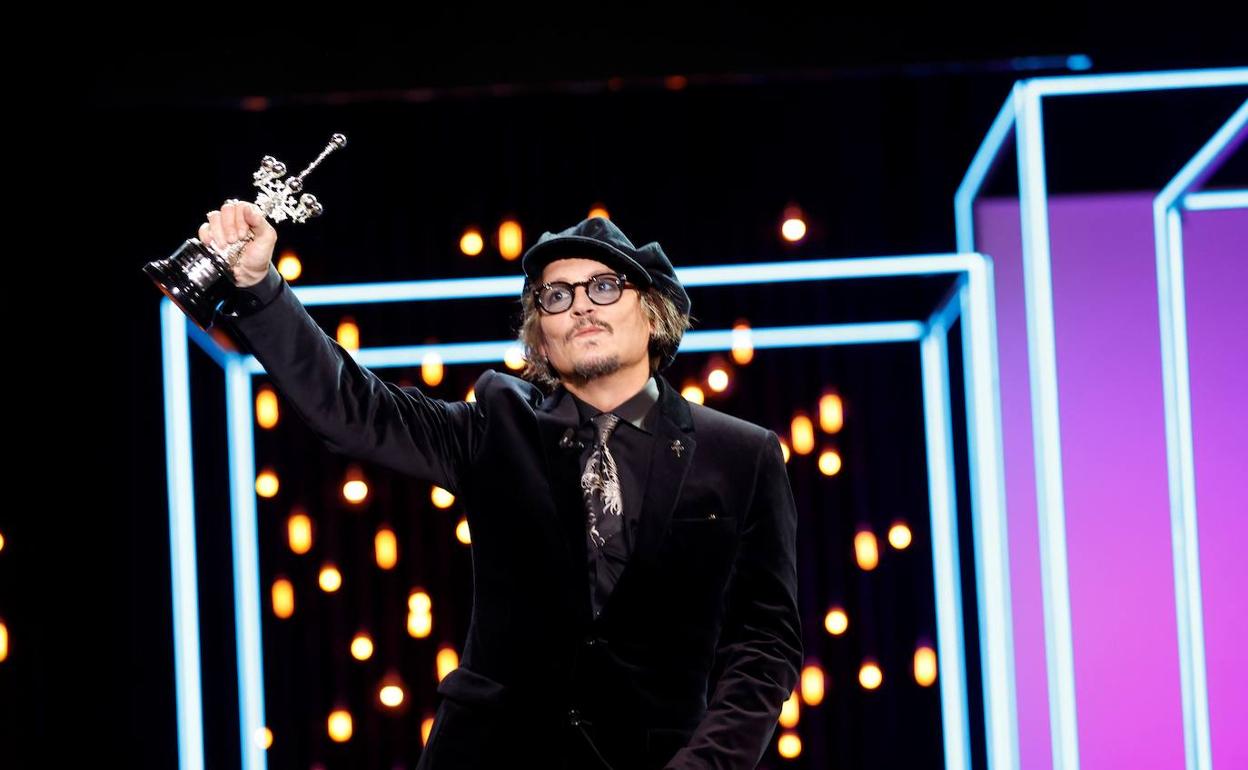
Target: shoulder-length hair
668 326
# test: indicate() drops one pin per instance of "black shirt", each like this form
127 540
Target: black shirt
631 444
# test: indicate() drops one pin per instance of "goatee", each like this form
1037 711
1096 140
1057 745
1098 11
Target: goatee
595 366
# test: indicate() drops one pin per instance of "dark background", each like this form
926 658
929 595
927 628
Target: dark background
459 119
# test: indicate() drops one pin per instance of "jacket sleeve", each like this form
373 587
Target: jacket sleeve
352 410
248 300
759 654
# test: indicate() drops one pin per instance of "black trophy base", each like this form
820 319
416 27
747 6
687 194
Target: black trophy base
198 296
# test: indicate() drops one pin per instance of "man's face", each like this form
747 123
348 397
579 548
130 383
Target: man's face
622 333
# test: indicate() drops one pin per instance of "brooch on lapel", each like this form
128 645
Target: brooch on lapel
677 447
567 442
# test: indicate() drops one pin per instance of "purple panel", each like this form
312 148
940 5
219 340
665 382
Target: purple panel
1114 468
1115 480
1216 273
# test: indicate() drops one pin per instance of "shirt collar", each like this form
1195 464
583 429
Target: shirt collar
637 410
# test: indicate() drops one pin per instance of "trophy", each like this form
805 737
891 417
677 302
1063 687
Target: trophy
198 278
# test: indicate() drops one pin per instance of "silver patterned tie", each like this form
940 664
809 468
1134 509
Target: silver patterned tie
600 484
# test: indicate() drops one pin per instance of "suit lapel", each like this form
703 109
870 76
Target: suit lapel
555 417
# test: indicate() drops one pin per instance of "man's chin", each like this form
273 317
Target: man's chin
592 367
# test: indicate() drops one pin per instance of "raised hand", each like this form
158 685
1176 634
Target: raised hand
241 221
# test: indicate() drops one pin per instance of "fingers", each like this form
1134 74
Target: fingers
205 235
217 229
227 225
240 219
229 221
251 217
237 221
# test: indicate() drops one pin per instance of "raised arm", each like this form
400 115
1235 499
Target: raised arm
352 410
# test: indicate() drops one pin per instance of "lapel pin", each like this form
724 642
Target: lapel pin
567 441
678 447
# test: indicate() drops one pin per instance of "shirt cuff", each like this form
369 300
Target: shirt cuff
251 299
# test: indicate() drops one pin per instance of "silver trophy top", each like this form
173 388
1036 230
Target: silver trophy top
277 195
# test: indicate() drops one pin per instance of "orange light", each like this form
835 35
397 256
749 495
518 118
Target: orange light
802 434
267 484
829 462
431 369
461 532
348 334
899 536
340 726
789 711
513 357
266 408
471 242
420 614
693 394
290 266
598 211
812 685
330 579
419 625
418 601
447 661
390 695
836 621
870 676
793 226
866 550
789 745
283 598
264 738
354 486
441 498
831 413
355 491
362 646
742 343
925 666
510 239
299 533
386 548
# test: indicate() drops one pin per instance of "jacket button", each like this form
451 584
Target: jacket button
574 716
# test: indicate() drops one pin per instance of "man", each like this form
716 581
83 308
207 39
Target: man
633 553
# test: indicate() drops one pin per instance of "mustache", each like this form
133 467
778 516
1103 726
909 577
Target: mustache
583 327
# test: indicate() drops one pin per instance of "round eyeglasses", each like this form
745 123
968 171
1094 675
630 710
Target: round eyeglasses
604 289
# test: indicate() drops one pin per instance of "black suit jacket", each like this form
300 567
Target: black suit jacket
699 644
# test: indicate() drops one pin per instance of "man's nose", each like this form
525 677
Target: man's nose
579 304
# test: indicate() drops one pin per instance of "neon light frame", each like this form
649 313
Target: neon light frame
1168 208
1022 112
970 300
